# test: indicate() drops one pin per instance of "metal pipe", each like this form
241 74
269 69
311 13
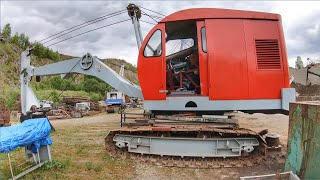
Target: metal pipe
140 35
135 14
136 26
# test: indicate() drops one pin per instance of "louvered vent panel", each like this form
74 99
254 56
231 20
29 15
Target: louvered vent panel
268 54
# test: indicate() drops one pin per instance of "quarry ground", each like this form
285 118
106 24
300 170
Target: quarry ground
79 152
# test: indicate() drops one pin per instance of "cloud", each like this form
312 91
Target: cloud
39 19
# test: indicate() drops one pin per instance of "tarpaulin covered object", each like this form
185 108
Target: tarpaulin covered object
32 133
114 101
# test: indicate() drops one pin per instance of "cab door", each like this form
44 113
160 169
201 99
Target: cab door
203 58
152 66
227 59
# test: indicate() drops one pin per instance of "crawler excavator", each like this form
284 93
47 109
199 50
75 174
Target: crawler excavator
193 66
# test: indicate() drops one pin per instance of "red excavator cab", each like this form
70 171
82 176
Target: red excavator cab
215 60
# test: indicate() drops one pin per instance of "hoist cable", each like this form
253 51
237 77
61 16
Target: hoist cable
81 27
149 16
152 11
88 32
156 17
65 88
83 24
147 22
62 80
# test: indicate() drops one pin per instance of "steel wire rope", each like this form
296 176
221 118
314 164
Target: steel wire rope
147 22
149 16
152 11
88 32
56 37
82 24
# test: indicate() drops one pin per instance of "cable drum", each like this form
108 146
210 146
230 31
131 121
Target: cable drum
133 9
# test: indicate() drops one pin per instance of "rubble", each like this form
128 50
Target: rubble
75 107
300 75
306 90
4 117
307 93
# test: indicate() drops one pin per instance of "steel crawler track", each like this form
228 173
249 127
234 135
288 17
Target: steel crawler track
255 158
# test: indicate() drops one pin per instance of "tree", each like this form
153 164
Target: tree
95 97
44 52
55 96
299 63
6 31
23 41
90 85
15 39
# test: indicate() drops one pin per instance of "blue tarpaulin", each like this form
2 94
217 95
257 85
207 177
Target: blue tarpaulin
32 133
114 101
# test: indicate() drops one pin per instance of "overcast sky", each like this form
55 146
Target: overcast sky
40 19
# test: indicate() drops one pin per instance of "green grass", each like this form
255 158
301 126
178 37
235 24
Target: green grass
78 152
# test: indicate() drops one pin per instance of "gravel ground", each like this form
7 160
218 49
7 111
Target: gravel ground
101 123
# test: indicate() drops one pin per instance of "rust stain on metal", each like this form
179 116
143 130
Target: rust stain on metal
304 140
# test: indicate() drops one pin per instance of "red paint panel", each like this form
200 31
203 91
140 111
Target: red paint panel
203 62
214 13
264 83
283 52
227 62
151 70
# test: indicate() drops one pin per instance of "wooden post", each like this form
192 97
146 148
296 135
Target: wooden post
10 166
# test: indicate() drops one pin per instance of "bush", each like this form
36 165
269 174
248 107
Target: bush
44 52
10 96
56 164
6 31
39 50
95 97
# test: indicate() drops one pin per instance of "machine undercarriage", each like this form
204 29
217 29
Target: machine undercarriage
206 141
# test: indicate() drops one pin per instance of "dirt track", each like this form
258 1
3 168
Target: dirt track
91 130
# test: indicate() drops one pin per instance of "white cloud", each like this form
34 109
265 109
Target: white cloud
39 19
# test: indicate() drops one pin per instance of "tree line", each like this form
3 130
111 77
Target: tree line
22 41
299 64
96 87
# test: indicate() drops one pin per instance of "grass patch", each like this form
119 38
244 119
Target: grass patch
77 153
56 164
91 166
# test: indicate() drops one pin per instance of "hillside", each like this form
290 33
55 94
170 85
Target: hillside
10 69
130 71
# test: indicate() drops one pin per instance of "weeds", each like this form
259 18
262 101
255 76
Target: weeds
90 166
56 164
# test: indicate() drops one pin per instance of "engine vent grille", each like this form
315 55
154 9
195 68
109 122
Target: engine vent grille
268 54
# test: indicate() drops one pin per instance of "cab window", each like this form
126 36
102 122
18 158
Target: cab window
204 39
177 45
154 45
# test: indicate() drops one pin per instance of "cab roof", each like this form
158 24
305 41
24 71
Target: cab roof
215 13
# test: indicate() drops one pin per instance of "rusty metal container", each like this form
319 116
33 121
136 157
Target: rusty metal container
303 154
